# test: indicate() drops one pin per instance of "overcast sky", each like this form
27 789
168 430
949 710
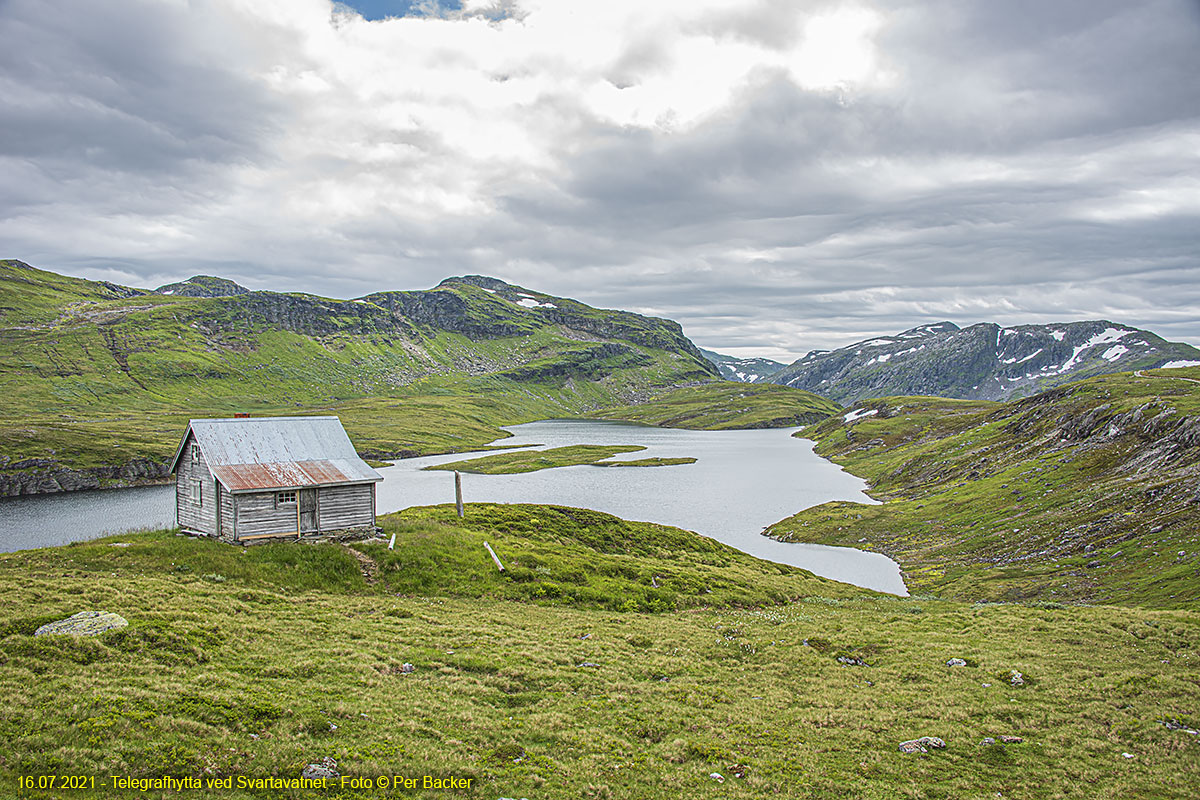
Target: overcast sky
776 175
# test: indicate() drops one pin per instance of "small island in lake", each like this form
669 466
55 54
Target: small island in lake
570 456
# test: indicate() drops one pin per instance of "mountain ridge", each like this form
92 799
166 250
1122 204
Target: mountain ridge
101 377
984 361
743 370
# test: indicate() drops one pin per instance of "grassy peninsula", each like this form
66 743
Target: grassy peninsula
534 460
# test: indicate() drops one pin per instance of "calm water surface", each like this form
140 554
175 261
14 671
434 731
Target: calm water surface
741 482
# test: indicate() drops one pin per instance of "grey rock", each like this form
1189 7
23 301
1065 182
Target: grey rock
851 661
988 740
325 768
85 623
956 662
922 745
407 668
590 664
1016 678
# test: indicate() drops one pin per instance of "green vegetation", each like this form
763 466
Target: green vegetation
723 406
656 461
534 460
1082 493
256 662
103 378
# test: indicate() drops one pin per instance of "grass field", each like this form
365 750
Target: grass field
1084 493
256 662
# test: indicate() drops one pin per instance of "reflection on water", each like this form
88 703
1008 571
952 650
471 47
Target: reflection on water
741 482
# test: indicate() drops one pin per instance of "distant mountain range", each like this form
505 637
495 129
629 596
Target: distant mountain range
984 361
745 370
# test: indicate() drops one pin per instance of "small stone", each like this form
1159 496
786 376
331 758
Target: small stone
1126 755
716 776
988 740
589 664
254 736
956 662
851 661
921 745
1016 678
585 636
407 668
332 727
327 768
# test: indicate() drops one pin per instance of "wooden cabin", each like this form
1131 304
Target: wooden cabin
252 478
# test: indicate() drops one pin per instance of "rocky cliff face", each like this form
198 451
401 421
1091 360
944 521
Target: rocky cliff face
45 476
984 361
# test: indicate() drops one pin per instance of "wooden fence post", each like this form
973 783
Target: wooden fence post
458 503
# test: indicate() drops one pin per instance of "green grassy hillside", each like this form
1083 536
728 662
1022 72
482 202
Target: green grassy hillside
101 377
725 405
253 663
1082 493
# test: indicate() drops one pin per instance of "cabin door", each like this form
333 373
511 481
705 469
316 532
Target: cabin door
308 510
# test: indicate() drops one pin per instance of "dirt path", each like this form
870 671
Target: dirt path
368 565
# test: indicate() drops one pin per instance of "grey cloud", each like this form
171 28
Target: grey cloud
857 203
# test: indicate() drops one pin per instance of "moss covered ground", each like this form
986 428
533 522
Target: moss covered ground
1085 493
253 663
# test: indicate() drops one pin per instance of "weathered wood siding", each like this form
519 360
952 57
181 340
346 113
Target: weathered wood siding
196 511
346 506
227 512
257 514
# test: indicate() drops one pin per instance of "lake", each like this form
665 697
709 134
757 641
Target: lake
741 482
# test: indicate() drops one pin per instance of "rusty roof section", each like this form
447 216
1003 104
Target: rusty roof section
262 453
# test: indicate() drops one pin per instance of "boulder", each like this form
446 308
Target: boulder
85 623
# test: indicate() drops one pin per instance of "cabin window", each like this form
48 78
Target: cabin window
199 493
285 499
195 452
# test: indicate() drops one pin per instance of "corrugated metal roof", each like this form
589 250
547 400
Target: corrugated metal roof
257 453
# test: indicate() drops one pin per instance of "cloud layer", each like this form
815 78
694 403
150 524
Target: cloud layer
776 176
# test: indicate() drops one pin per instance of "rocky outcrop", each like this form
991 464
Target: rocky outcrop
85 623
45 476
203 286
